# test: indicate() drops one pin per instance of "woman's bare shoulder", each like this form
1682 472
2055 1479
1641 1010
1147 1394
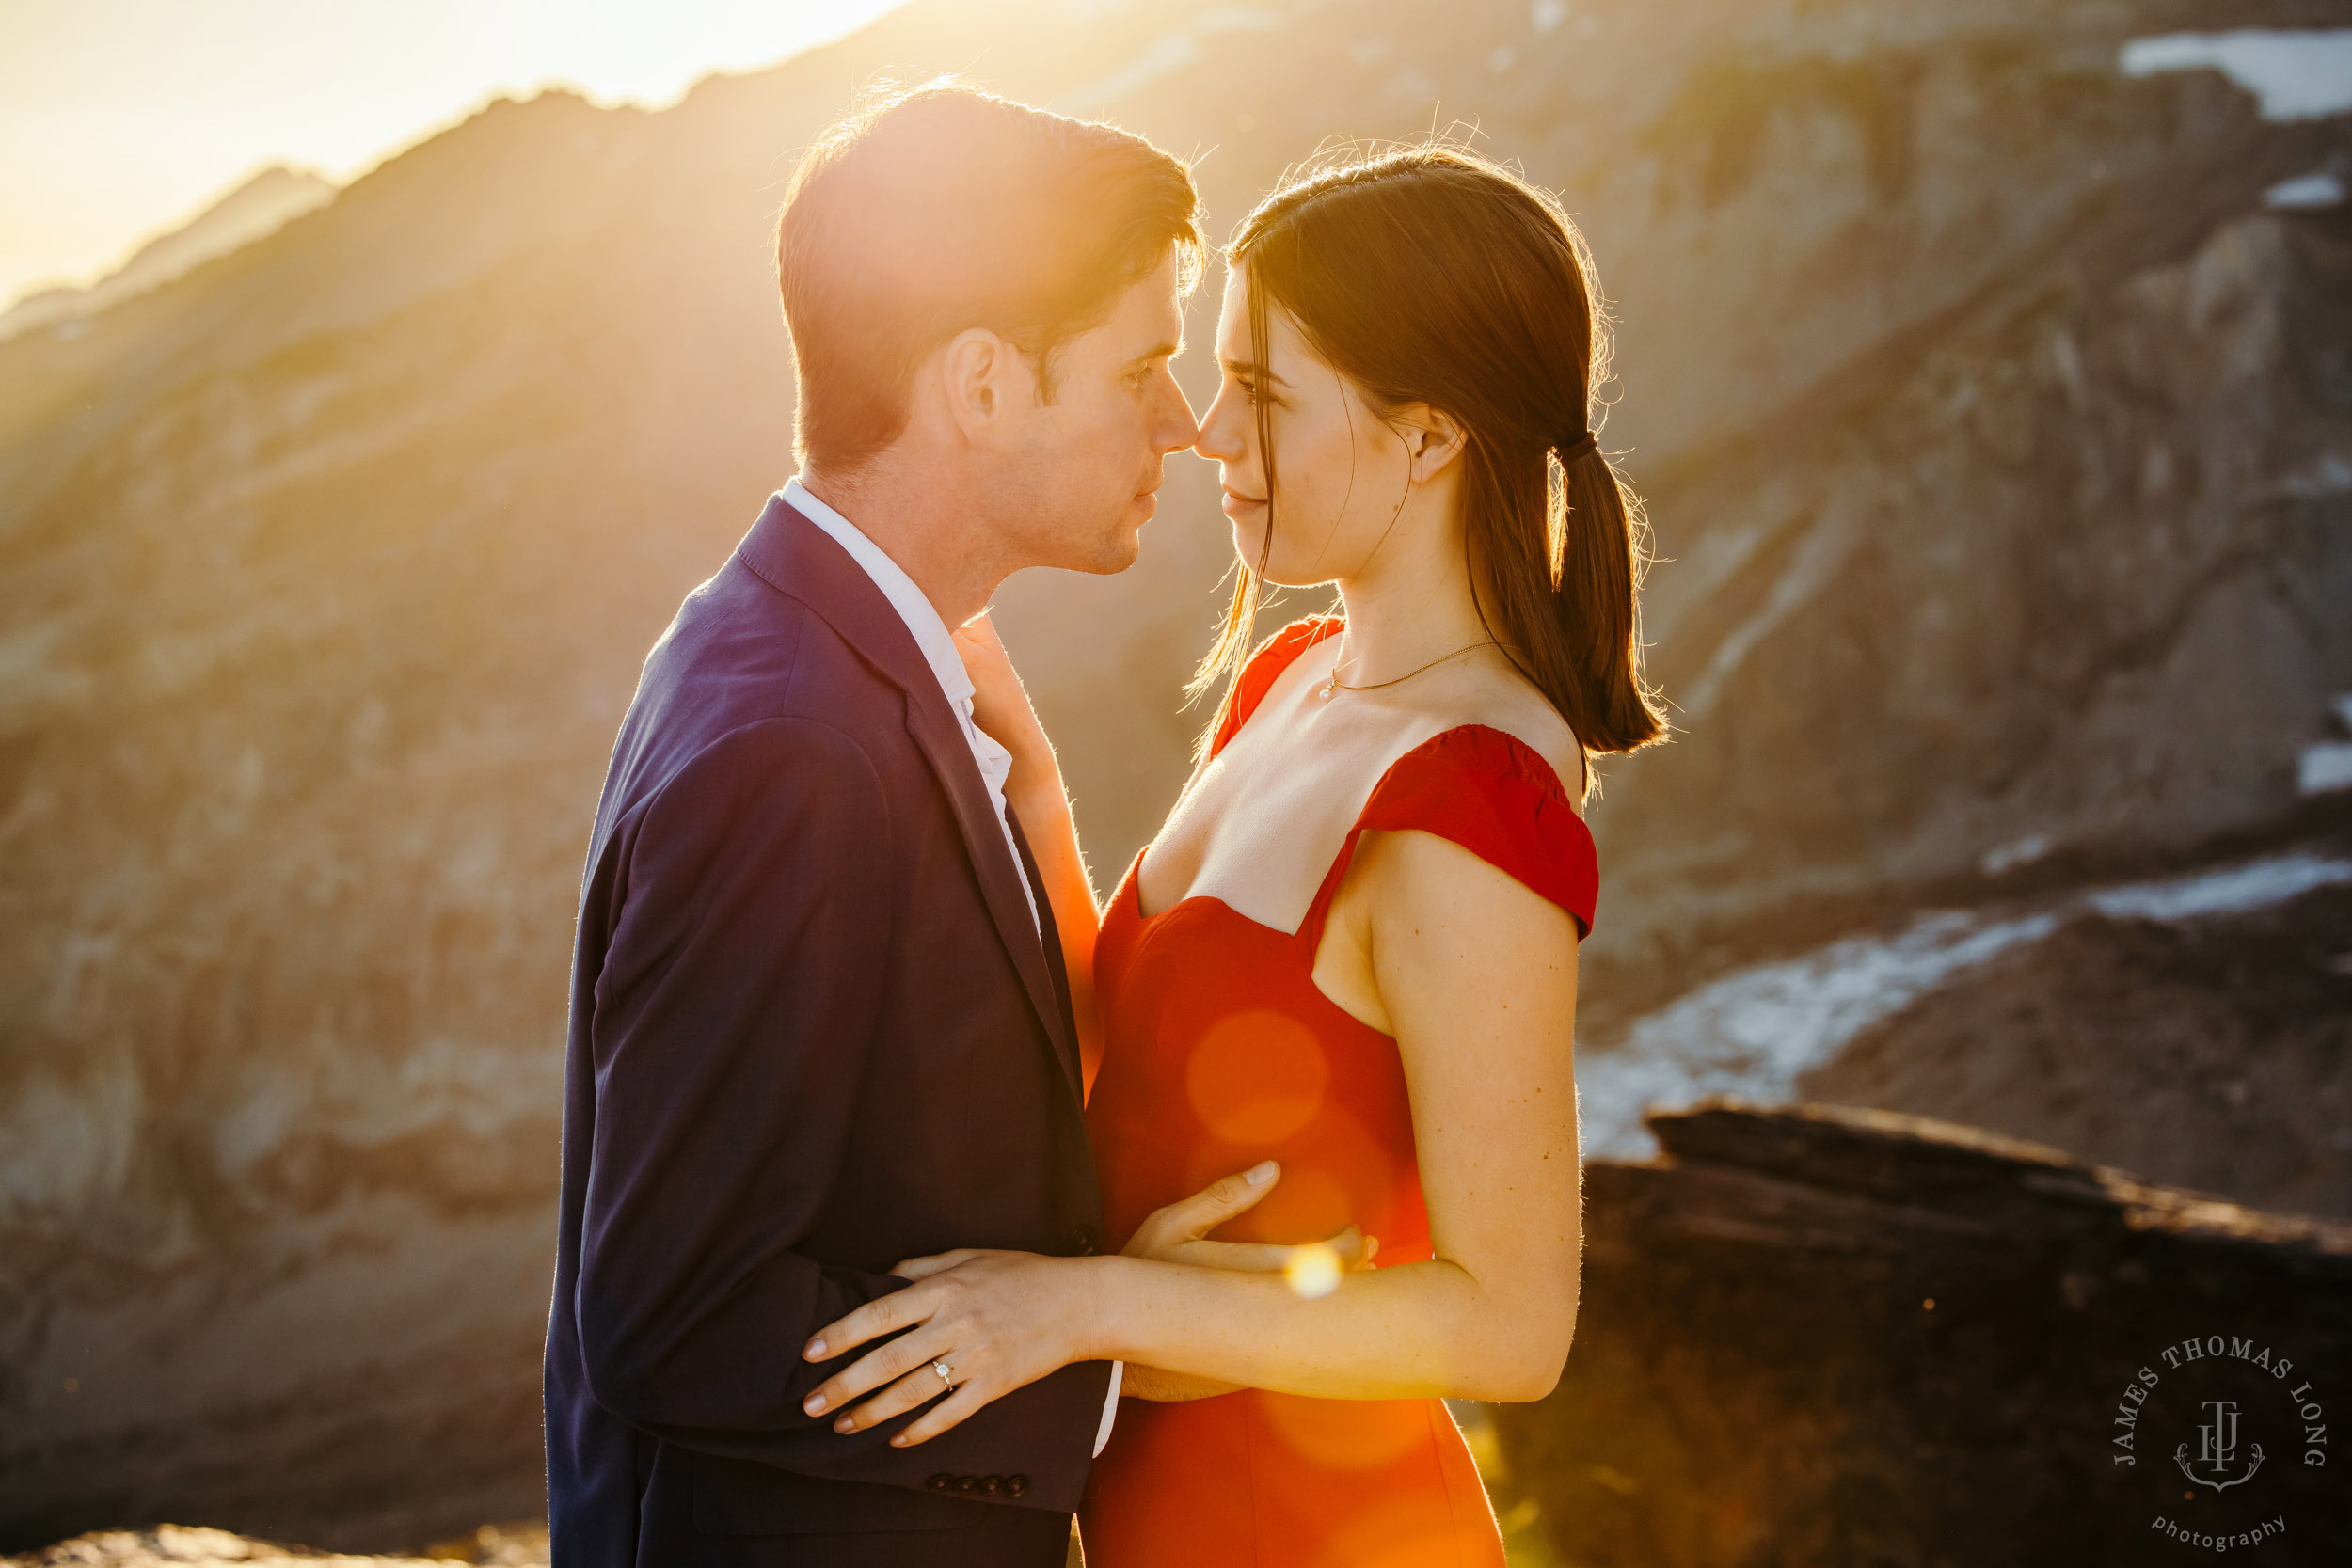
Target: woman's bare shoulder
1500 699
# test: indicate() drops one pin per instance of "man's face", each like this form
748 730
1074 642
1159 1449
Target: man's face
1082 473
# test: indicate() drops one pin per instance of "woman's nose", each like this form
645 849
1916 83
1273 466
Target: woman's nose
1220 435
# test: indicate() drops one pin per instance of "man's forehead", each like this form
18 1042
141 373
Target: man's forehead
1149 314
1155 293
1161 310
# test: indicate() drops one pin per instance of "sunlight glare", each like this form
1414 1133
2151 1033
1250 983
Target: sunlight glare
121 117
1313 1272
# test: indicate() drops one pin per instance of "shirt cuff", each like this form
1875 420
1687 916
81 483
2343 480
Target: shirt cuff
1110 1408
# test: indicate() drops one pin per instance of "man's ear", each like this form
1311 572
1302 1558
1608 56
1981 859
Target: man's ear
984 377
1433 438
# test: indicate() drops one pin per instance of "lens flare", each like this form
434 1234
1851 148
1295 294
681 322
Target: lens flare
1313 1272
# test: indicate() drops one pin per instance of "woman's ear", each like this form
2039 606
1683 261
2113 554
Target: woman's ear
1433 438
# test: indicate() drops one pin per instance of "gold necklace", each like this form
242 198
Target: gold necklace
1334 686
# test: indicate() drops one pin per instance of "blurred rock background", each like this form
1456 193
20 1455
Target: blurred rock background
1820 1335
180 1546
1993 407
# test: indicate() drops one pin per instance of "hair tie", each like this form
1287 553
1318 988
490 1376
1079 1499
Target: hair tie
1570 451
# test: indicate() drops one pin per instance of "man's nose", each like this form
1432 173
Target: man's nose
1181 431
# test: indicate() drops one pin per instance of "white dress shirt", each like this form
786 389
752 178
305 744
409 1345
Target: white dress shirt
929 630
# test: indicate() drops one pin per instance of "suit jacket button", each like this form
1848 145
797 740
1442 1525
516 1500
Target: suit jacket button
1082 1241
993 1484
968 1483
1015 1485
940 1481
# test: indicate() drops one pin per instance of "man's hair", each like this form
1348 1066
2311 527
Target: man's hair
927 212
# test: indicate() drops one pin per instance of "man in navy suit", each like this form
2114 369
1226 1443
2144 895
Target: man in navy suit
820 1019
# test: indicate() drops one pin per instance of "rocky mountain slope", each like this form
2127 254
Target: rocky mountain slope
1999 436
259 206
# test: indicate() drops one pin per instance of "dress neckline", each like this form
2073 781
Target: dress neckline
1273 658
1546 773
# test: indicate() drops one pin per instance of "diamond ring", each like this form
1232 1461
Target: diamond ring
946 1374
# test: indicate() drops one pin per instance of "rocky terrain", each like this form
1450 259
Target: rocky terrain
1965 1349
257 208
1998 429
1815 1335
172 1545
2212 1053
2189 1027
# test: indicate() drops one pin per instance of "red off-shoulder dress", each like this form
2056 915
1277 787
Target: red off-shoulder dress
1219 1053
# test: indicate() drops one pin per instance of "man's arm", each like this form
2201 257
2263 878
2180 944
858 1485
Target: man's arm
739 991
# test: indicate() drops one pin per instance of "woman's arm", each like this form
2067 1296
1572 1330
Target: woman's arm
1000 706
1180 1234
1476 975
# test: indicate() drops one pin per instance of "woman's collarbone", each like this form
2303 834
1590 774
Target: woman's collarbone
1263 846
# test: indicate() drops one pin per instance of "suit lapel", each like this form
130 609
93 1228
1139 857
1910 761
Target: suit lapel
941 739
796 557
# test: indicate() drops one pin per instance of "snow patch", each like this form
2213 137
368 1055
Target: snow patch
2305 193
2303 74
1756 1031
2009 857
2323 768
2233 889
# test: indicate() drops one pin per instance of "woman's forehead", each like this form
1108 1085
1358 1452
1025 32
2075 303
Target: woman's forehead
1285 343
1233 321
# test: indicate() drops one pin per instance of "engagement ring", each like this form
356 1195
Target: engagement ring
946 1375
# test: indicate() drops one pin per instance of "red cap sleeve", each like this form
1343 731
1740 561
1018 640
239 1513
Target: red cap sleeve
1495 796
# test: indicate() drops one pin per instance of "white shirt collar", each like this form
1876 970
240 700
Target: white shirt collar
929 630
913 606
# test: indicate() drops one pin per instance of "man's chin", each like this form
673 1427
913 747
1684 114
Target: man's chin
1113 552
1116 554
1110 548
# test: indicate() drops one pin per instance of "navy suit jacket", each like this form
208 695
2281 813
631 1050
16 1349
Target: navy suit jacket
814 1030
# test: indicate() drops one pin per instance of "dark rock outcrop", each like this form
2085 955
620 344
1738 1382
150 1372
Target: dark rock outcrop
1822 1336
2214 1053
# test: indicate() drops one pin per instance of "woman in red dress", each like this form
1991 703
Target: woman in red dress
1347 962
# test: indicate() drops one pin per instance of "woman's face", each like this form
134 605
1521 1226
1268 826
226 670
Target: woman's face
1344 473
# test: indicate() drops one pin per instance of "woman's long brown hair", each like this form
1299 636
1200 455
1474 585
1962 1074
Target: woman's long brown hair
1435 276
